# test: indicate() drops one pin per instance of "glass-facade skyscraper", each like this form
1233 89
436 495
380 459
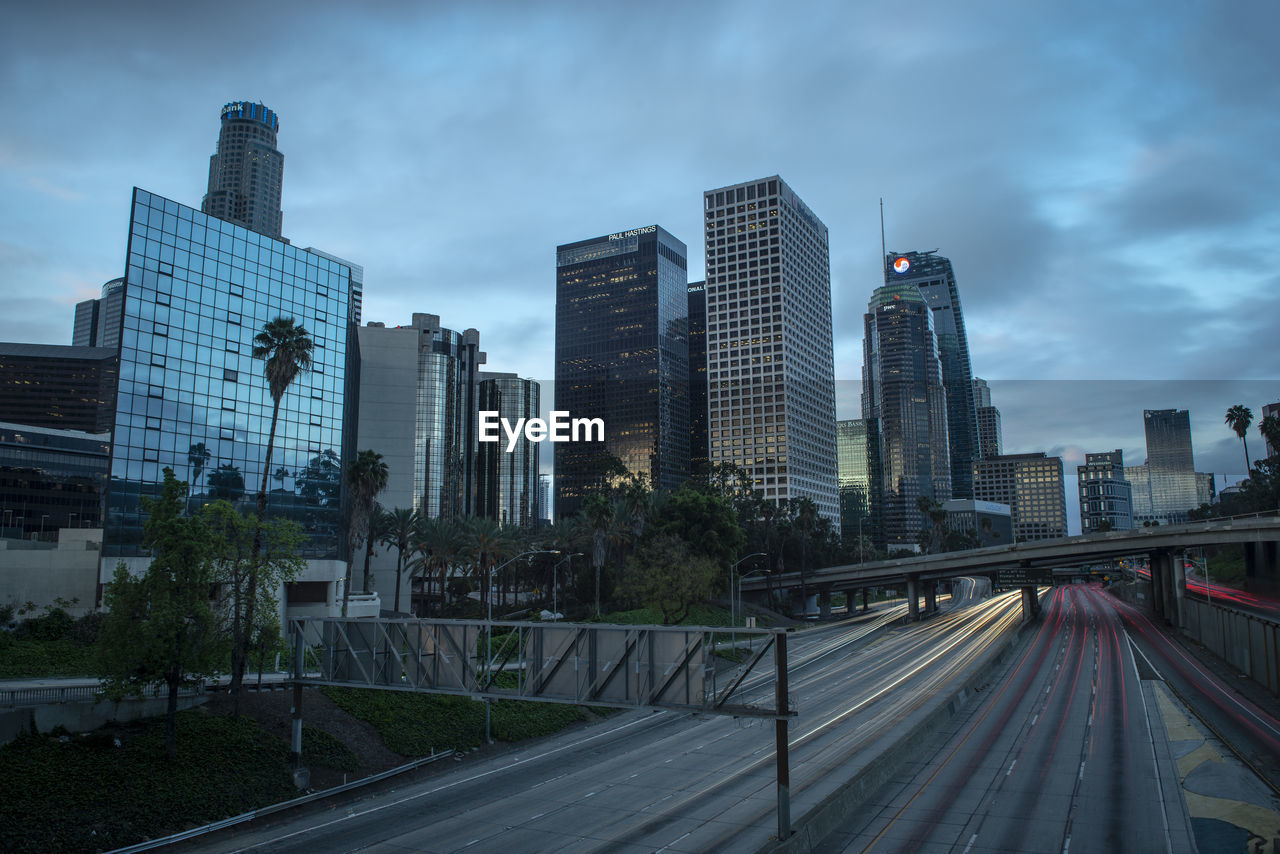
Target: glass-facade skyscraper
192 397
1032 486
770 357
902 390
246 171
698 451
933 275
858 464
1165 489
622 355
507 481
990 441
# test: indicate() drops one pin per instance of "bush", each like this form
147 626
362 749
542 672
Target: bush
321 748
53 625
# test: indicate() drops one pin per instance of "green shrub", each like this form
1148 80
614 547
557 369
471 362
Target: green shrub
321 748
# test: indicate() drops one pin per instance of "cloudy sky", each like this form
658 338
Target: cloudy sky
1103 176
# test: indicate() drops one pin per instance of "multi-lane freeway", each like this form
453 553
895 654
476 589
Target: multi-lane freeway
1078 743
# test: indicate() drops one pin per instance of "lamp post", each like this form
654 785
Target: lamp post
555 587
744 577
489 633
733 614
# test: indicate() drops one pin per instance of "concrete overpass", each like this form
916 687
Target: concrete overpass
1029 563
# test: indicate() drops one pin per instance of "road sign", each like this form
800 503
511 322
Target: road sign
1019 576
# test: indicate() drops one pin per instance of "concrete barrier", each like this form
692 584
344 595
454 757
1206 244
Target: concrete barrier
1248 642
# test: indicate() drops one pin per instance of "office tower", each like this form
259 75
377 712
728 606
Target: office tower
858 467
936 280
192 398
1106 498
989 438
507 480
902 389
51 479
544 499
97 322
1270 409
770 362
622 355
58 387
1032 486
246 170
698 450
419 389
1170 464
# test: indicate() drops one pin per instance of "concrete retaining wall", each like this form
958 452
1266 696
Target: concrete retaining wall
1248 642
85 716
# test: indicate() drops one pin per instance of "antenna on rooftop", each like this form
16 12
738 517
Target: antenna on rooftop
882 249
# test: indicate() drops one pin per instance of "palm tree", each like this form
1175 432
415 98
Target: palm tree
400 524
488 543
366 477
598 512
1239 418
198 457
377 526
1270 430
438 543
806 518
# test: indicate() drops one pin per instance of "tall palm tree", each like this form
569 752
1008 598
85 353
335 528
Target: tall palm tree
438 543
488 544
366 477
1239 418
398 532
598 512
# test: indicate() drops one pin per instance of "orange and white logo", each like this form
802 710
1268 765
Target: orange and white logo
901 265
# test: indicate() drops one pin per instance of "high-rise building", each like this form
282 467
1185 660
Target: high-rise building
1106 498
902 390
1032 486
50 479
419 388
507 480
58 387
990 440
191 396
246 170
97 322
858 466
933 275
1170 464
770 359
622 355
699 453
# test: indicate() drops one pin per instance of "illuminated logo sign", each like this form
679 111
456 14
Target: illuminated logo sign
635 232
901 265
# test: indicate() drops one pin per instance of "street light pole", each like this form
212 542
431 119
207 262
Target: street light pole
489 630
555 586
734 613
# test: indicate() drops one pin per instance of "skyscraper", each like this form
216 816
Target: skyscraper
990 440
698 450
770 362
1106 498
507 480
902 390
1171 464
1032 486
622 355
97 322
933 275
246 170
191 396
858 465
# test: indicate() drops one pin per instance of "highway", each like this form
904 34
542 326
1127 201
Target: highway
646 781
1084 747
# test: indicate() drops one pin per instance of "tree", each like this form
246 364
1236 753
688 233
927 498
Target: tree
487 544
438 543
397 531
285 349
933 531
366 477
1239 418
248 584
226 482
705 521
161 628
598 512
1269 427
198 457
664 574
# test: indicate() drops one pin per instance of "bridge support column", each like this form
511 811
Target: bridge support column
1030 603
1157 585
864 599
913 598
1164 599
824 602
930 597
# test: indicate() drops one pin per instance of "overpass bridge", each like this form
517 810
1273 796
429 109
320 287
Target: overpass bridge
1029 564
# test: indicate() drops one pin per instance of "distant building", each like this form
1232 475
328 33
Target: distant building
1165 487
935 278
858 466
990 522
1106 498
770 356
246 171
698 448
507 480
58 387
902 390
1032 486
990 441
97 322
622 356
1206 492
